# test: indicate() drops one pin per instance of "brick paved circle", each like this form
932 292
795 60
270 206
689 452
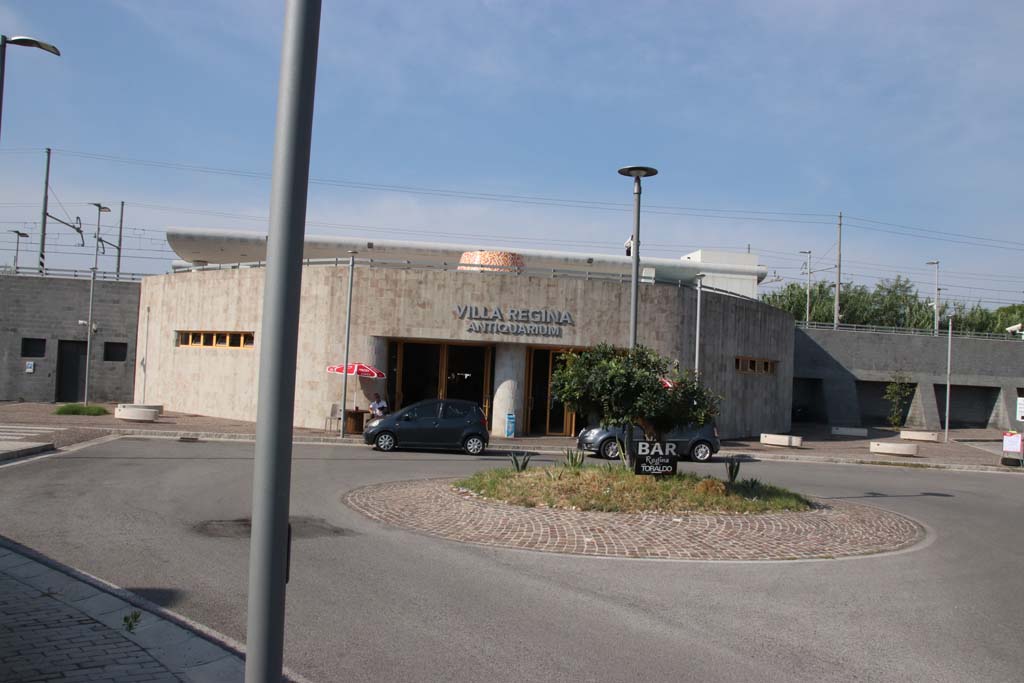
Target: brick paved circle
832 529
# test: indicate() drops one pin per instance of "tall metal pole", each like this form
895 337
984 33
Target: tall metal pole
92 298
42 220
280 325
634 291
807 313
949 366
145 359
696 340
936 298
839 272
348 335
120 232
3 65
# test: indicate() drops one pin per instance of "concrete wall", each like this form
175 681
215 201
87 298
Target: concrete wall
840 358
50 308
422 304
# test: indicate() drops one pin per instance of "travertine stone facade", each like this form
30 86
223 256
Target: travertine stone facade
435 305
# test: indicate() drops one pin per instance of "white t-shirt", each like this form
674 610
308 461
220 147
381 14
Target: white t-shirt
378 408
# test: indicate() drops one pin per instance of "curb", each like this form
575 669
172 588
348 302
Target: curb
30 449
215 668
829 460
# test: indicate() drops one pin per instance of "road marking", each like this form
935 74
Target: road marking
62 451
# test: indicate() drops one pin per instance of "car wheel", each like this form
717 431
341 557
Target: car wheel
385 441
610 449
473 445
701 451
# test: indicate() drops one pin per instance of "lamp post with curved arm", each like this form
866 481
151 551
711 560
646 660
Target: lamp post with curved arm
24 41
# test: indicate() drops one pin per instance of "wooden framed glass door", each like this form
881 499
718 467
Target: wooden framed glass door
547 415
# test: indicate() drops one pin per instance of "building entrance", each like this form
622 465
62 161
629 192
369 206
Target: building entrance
547 415
418 371
70 371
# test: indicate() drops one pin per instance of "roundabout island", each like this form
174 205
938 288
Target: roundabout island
824 530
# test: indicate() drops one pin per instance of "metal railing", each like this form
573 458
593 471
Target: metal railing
71 273
913 331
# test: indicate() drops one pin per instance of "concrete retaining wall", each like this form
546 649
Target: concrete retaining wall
988 373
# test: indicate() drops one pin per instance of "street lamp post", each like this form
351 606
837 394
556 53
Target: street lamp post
696 338
636 173
949 367
807 315
24 41
936 302
18 234
348 333
100 210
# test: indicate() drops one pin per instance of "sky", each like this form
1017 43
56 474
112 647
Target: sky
503 123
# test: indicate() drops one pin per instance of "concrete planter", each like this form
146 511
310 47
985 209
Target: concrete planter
134 413
909 435
893 448
782 440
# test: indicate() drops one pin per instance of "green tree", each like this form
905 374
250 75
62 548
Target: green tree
898 392
624 387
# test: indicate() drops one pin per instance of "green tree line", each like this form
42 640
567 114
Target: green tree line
892 303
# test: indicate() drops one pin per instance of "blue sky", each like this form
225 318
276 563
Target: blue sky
905 113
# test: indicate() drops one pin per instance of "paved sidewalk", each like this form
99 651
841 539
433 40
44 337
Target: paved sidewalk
57 624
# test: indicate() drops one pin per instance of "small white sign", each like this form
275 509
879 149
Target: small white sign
1020 409
1012 442
30 367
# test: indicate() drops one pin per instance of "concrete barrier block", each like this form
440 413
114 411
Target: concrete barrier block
893 448
782 440
849 431
132 413
910 435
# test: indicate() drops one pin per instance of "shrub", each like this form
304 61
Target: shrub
898 393
79 409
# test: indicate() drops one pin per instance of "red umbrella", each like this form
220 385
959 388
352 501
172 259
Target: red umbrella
358 369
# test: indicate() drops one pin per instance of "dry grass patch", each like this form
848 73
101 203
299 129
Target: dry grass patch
616 489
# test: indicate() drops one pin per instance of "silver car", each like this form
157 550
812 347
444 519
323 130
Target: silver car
699 443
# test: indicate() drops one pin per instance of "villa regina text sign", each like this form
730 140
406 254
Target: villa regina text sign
655 457
528 322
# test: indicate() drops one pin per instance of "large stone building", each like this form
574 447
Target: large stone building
489 333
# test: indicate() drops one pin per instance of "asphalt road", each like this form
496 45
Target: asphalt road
370 603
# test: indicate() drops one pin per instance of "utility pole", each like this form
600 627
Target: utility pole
839 273
120 232
949 368
807 315
936 300
42 221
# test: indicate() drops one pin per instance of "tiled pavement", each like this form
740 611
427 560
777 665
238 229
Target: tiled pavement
829 531
57 627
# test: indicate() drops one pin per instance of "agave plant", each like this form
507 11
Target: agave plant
732 468
520 461
574 458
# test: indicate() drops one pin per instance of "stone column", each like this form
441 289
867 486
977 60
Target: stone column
509 387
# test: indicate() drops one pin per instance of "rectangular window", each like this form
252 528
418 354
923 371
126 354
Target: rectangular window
756 366
33 347
230 340
115 351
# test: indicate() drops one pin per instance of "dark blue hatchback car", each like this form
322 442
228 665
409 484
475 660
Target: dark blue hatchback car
434 423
